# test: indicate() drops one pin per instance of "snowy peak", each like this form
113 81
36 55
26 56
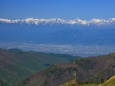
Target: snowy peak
98 20
112 20
77 21
60 21
9 21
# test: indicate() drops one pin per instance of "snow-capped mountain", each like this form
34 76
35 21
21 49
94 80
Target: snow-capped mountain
58 31
60 21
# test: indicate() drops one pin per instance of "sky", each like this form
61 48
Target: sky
65 9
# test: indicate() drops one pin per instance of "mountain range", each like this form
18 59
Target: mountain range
75 37
60 21
58 31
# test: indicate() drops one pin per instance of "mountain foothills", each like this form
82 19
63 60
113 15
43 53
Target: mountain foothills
58 31
91 71
16 64
40 69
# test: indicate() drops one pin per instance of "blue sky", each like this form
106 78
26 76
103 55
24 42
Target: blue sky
66 9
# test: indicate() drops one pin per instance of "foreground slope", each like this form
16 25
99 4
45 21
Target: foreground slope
110 82
16 64
94 70
75 83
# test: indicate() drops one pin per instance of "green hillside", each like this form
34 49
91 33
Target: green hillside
16 64
3 83
90 71
110 82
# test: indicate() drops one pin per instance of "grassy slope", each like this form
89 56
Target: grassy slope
74 83
69 83
110 82
16 64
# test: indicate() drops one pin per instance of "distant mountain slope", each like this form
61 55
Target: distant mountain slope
94 70
110 82
16 64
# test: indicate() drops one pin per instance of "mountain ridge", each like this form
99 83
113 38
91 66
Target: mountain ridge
77 21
